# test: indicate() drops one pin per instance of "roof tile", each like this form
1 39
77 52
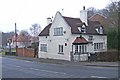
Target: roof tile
80 40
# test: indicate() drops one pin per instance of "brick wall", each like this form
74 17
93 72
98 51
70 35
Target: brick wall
26 52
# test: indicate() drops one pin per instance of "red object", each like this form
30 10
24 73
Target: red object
80 40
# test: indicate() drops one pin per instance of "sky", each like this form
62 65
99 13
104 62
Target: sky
27 12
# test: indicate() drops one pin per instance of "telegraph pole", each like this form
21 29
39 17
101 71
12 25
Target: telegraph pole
16 37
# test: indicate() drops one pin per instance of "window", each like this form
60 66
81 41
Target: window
60 49
83 48
58 31
98 46
101 45
83 30
95 46
90 38
101 30
76 48
80 48
43 48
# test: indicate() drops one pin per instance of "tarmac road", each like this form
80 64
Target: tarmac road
15 68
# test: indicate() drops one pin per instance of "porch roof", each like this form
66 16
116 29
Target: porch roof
80 40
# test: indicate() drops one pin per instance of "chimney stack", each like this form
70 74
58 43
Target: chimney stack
83 16
49 20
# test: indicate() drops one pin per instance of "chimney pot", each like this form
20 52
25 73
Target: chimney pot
49 20
83 7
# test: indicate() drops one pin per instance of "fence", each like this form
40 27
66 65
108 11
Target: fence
25 52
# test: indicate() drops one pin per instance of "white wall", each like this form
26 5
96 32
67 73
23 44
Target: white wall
54 41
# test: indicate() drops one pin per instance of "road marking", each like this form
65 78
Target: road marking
34 69
17 66
53 72
98 77
48 71
27 61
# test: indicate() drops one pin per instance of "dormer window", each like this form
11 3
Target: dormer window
82 29
101 30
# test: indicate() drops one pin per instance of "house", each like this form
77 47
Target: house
24 43
22 40
67 38
102 19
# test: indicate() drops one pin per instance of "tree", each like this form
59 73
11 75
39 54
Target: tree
35 29
113 9
24 38
112 37
91 11
25 32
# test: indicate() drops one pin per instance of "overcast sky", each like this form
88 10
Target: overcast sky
27 12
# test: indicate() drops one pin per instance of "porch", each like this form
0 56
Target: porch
79 50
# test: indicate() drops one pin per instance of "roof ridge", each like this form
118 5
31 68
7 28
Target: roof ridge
70 17
97 14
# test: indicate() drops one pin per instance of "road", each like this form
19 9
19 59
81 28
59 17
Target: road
15 68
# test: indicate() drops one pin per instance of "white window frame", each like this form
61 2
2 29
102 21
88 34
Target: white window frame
90 38
58 31
98 46
81 48
60 49
43 47
76 48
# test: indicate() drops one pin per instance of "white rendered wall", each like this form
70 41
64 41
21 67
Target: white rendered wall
54 41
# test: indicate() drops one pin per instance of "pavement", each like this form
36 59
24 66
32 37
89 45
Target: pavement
54 61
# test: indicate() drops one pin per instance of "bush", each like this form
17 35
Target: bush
111 55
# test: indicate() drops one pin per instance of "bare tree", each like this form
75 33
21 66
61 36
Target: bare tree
113 9
35 29
25 32
24 38
91 11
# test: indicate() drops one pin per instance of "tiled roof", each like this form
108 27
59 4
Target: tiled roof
34 38
74 23
45 31
102 19
80 40
21 38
